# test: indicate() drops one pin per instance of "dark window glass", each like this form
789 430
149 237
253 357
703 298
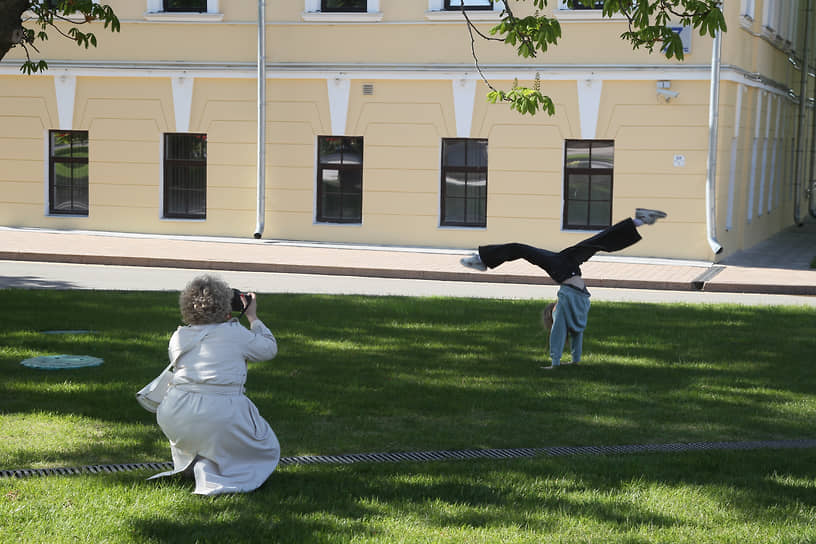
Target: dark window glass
339 179
469 4
588 167
464 182
185 176
68 172
343 5
187 6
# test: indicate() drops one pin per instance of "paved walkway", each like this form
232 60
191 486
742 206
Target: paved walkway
781 265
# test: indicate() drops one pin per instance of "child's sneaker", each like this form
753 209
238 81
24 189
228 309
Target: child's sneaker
649 216
474 261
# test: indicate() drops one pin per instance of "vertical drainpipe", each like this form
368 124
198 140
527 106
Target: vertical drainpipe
713 123
261 204
800 134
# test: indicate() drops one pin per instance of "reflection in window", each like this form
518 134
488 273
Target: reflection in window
464 182
185 6
185 176
588 167
339 179
68 172
353 6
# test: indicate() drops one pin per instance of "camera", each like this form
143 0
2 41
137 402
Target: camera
240 301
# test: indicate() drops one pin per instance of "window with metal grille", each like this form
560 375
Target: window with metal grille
464 182
185 6
469 4
340 179
185 176
588 168
343 6
68 172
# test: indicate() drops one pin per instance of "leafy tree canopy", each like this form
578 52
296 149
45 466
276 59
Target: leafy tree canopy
61 16
649 26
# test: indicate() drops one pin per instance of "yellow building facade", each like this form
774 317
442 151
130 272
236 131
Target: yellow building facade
377 128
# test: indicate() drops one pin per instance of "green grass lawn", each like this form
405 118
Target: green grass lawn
374 374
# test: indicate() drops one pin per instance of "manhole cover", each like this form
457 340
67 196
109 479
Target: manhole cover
68 331
59 362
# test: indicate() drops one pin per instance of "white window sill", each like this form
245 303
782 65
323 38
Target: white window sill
318 17
184 219
333 224
584 16
168 17
456 15
461 227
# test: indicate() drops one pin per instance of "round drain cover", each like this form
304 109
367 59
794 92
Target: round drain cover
59 362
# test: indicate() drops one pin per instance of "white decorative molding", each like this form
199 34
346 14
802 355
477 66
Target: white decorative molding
732 176
777 140
339 92
437 12
439 5
464 97
182 102
312 14
765 139
754 152
318 17
155 13
65 87
589 106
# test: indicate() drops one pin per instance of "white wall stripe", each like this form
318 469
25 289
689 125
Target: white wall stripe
65 87
732 177
589 106
339 92
754 150
464 97
182 102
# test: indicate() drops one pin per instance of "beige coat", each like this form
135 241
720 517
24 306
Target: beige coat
213 428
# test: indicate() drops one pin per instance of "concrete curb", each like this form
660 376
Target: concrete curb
703 282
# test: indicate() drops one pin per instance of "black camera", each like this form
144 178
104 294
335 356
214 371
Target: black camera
240 301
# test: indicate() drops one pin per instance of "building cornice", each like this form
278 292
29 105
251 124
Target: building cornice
494 72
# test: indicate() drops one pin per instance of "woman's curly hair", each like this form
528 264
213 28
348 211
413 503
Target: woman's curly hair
206 299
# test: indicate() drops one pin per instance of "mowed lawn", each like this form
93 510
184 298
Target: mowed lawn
390 374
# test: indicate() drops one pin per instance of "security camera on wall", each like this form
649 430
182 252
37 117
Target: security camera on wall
668 94
663 89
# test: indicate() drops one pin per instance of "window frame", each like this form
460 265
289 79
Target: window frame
466 169
448 7
567 224
340 167
52 162
323 8
168 163
178 10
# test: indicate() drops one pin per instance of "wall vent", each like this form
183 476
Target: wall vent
368 89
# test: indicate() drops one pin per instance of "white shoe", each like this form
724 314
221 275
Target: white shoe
649 216
474 261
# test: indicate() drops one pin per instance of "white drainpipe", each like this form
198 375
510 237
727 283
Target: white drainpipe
261 205
713 122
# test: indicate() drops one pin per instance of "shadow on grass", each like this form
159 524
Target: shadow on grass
361 374
607 497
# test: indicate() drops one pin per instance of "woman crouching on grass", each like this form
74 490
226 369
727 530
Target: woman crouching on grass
215 431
